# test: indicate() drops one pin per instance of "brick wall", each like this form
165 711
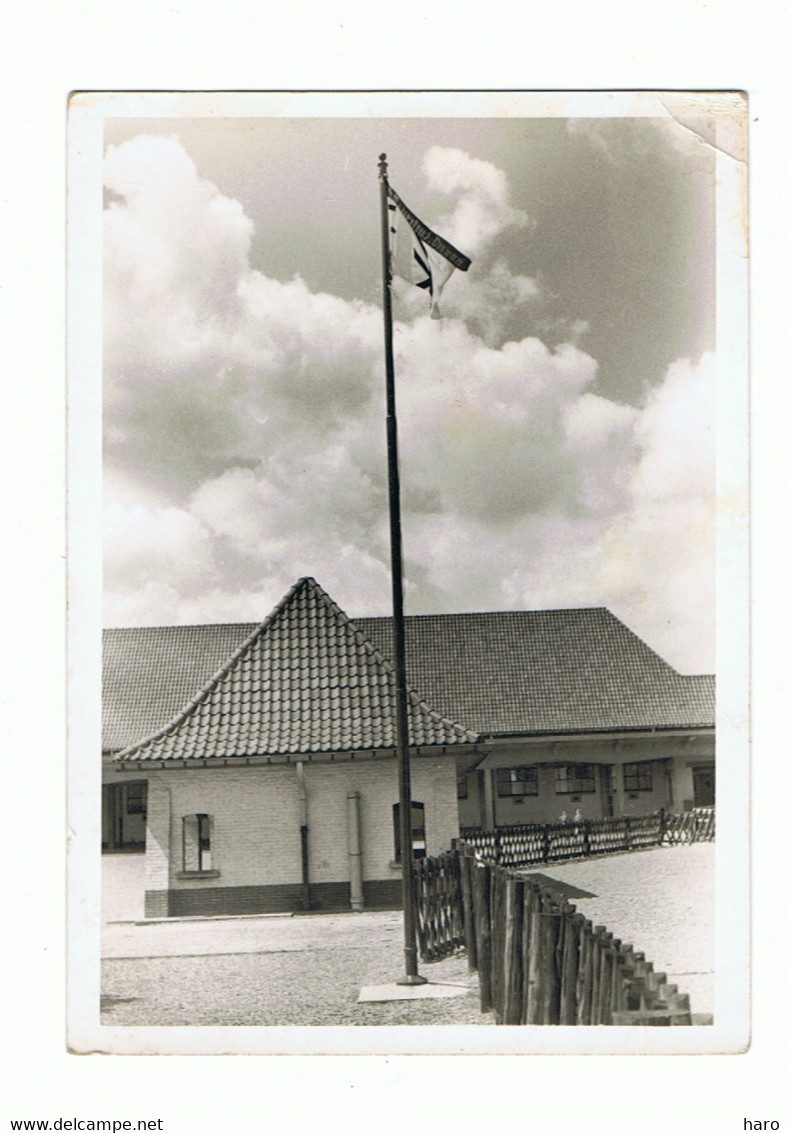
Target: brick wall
255 834
432 783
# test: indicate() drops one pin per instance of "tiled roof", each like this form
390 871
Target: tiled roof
304 682
549 671
497 673
149 674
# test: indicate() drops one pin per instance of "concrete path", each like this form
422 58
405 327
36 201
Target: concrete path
220 936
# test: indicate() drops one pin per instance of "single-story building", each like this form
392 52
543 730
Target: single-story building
275 785
254 766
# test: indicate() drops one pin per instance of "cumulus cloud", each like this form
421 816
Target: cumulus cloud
142 543
482 210
645 545
248 411
491 292
658 557
206 360
488 299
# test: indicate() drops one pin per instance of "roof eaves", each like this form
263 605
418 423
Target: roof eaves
318 754
644 729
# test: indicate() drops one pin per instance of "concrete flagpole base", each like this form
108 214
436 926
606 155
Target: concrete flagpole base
411 980
385 993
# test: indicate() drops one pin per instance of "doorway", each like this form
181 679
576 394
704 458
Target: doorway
124 807
704 786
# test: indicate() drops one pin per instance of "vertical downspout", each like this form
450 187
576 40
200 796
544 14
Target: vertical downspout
355 852
303 835
489 817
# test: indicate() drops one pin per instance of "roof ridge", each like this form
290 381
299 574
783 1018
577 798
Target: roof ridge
180 625
363 617
213 681
416 698
345 620
489 613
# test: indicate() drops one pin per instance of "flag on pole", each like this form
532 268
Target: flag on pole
418 255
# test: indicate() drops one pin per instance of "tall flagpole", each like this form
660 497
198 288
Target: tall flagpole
401 703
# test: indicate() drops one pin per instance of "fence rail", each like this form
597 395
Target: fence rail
538 960
561 841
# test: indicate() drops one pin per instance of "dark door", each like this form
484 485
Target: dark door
124 808
704 786
417 830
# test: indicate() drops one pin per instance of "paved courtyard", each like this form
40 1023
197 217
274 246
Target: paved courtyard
309 970
662 902
275 970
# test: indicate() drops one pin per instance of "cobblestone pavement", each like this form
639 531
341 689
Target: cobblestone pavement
273 971
308 970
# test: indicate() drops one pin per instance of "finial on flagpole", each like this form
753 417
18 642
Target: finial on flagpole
383 166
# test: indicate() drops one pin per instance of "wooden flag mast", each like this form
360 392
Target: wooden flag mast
401 703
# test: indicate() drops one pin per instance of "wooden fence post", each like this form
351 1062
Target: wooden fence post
607 979
466 864
552 935
569 966
533 998
497 934
584 977
481 882
513 980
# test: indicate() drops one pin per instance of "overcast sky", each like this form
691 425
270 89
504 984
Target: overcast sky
556 441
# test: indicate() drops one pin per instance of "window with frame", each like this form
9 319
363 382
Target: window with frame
575 779
136 798
638 776
417 830
462 788
516 781
197 843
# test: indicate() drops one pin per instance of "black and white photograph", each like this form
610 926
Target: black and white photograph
420 533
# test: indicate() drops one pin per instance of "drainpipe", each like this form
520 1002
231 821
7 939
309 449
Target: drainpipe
355 852
489 817
303 834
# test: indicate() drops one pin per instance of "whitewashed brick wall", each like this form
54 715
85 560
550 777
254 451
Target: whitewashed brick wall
255 819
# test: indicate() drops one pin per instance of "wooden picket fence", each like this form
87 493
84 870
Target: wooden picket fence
562 841
698 825
538 960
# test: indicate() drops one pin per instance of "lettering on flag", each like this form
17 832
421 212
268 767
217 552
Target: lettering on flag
419 255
